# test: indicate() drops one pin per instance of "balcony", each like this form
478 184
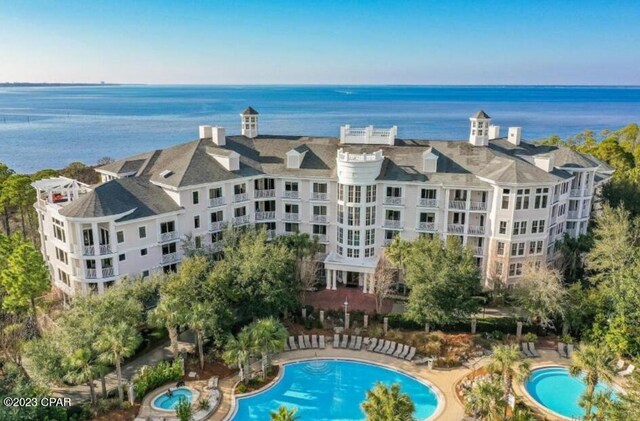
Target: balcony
88 250
289 216
478 206
556 198
387 242
291 195
322 219
216 201
455 228
261 194
478 251
475 230
271 234
216 226
428 203
322 238
168 236
108 272
216 247
573 214
241 220
577 192
426 226
105 249
240 197
265 215
319 196
457 204
90 273
169 258
394 201
392 223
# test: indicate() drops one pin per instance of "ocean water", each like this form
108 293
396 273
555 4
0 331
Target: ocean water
51 127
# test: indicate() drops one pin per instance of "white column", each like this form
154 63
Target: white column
96 238
366 282
334 279
328 278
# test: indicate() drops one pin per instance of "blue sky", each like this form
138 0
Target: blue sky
321 42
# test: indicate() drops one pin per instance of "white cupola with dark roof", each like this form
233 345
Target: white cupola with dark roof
479 134
249 122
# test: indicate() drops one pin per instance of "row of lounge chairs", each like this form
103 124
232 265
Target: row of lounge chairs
565 350
382 346
529 349
353 342
623 372
305 342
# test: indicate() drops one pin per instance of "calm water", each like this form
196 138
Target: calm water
50 127
325 390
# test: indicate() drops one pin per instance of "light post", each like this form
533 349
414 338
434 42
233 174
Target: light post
346 309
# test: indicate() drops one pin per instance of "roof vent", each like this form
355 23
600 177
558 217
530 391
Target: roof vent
494 132
166 173
545 162
515 135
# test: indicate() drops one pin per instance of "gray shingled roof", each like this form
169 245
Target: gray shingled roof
249 111
481 114
119 196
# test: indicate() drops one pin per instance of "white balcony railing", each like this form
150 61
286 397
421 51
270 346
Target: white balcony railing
265 215
289 216
478 251
88 250
478 206
240 197
322 238
290 194
392 223
241 220
457 204
90 273
261 194
169 258
107 272
105 248
216 226
318 196
455 228
216 201
577 192
168 236
426 226
387 242
319 218
429 203
573 214
390 200
475 230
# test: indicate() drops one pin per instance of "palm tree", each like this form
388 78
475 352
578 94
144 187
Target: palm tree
268 336
597 365
486 399
167 314
198 319
284 414
83 369
388 403
397 253
238 350
508 363
116 343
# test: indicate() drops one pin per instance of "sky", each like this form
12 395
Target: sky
574 42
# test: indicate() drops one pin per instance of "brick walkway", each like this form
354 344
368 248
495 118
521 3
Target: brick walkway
328 299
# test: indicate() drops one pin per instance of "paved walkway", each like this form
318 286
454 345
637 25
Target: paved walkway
333 299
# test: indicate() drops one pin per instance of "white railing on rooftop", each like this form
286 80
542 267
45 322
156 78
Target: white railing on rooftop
260 194
368 135
359 157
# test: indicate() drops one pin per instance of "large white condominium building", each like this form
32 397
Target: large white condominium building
507 199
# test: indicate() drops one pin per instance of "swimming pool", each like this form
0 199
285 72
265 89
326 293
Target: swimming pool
166 402
332 390
555 389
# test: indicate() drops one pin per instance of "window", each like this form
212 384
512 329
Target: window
340 192
500 250
505 198
215 193
537 226
353 238
320 188
58 232
197 241
370 215
319 229
541 198
64 277
290 208
503 227
340 235
353 194
169 248
291 186
241 211
340 214
515 269
519 227
143 252
339 250
122 257
142 232
499 268
289 227
195 197
145 273
522 198
371 194
369 252
392 215
535 247
353 216
354 253
240 188
62 256
320 210
196 221
216 216
428 194
369 237
394 192
428 217
120 237
166 227
517 249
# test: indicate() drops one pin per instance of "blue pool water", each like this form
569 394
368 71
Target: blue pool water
331 390
558 391
169 402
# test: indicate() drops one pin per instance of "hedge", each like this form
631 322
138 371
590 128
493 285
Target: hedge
150 378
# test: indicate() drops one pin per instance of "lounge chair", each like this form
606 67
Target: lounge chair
352 342
532 349
381 344
525 350
345 340
404 352
322 345
386 347
301 342
420 361
307 341
336 341
286 346
620 365
569 350
358 343
627 371
314 341
292 343
561 350
212 383
412 352
399 350
391 349
372 344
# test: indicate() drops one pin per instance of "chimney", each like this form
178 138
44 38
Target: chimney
545 162
515 133
205 132
494 132
218 136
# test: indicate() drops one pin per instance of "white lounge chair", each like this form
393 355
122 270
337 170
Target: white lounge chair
412 352
569 350
399 350
345 340
212 383
561 350
352 342
420 361
314 341
525 350
381 344
322 344
627 371
307 341
301 342
391 349
372 344
358 343
620 365
387 345
292 343
336 341
532 349
404 352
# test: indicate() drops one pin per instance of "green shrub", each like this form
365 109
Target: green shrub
530 337
151 378
183 410
242 388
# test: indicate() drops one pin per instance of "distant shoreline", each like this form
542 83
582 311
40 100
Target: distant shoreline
50 85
